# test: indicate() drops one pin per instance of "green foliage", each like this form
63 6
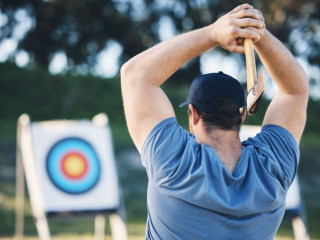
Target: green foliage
44 97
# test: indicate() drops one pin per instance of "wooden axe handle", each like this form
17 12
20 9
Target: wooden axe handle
251 63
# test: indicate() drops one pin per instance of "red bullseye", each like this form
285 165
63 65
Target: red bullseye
74 165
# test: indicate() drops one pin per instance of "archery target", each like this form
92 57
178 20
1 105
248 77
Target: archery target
73 165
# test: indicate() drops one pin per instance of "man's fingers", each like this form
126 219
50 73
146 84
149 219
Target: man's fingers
250 22
241 7
249 33
260 32
249 13
236 49
242 22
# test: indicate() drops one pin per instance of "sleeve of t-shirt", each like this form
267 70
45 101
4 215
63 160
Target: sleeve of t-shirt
285 149
164 151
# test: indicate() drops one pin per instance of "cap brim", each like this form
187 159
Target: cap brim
183 104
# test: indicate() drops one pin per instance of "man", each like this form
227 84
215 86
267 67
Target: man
207 184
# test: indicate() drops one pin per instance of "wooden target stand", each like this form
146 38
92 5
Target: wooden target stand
26 167
294 209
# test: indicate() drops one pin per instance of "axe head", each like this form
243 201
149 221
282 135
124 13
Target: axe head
255 93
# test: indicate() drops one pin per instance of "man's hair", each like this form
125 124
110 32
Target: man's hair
227 116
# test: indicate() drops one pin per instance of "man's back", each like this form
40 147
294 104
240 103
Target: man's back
191 195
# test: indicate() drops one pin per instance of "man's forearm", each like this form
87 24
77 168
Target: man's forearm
158 63
282 66
288 107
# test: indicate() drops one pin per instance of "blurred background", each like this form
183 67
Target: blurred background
61 59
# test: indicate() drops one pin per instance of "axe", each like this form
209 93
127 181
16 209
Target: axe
255 86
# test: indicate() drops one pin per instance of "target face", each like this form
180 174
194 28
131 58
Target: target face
73 166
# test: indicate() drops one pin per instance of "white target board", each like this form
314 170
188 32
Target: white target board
75 166
293 196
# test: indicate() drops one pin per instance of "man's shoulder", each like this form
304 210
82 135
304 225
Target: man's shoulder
166 141
271 133
277 151
161 131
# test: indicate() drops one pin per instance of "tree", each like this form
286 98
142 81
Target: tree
82 27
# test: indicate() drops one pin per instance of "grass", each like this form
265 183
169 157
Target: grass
136 232
108 237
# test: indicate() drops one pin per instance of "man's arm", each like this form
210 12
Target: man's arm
145 104
288 107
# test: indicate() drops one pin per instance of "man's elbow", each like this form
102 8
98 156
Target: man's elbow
301 82
305 86
299 89
129 71
125 71
133 74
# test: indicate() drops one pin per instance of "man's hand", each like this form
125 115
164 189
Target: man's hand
242 22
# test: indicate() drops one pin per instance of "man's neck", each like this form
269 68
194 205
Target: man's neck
226 144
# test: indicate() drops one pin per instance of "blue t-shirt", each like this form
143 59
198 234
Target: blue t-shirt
191 195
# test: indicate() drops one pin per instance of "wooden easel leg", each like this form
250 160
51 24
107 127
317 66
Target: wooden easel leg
24 146
19 196
99 227
118 227
299 229
43 228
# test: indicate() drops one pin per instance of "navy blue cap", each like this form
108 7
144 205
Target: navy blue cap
206 89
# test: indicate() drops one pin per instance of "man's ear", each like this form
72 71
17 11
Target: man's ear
194 114
244 116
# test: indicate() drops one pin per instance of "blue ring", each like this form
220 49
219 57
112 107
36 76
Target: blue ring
53 163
